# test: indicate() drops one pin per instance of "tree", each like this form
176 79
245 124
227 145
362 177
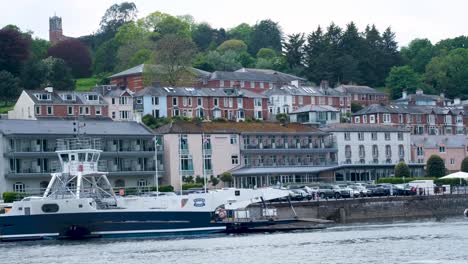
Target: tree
315 56
214 181
33 74
242 32
282 117
170 25
402 78
402 170
266 53
202 35
418 54
435 166
234 45
9 87
265 34
105 57
355 107
116 16
75 54
14 49
464 165
39 48
226 177
294 50
174 54
58 74
228 61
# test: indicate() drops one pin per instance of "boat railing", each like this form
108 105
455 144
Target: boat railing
64 144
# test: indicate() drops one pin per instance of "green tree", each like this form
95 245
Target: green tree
464 165
266 53
435 167
281 117
242 32
228 61
294 50
265 34
39 48
33 74
14 49
202 35
355 107
418 54
226 178
235 45
116 16
214 181
9 87
402 78
315 56
58 74
402 170
170 25
105 57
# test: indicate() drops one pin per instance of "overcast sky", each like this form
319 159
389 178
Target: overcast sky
410 19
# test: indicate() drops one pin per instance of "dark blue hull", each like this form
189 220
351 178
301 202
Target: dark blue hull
106 224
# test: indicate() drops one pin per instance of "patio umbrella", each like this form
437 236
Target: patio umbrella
457 175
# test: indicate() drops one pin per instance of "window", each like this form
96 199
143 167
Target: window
174 101
42 96
233 139
364 119
199 101
401 118
155 113
431 119
142 183
235 159
175 112
240 102
419 151
92 97
375 151
442 149
460 119
262 85
207 162
452 161
258 102
347 136
388 151
19 187
123 100
301 100
221 83
252 84
50 110
98 110
139 100
124 115
400 136
357 119
387 136
184 101
225 102
70 110
374 135
84 110
386 118
258 114
361 136
362 152
38 110
50 208
216 101
401 151
155 100
186 163
348 151
113 100
231 102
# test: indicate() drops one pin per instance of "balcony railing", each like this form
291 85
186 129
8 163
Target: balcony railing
289 163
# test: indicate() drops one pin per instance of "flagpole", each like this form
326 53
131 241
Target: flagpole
156 178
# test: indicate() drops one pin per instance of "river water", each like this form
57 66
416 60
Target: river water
419 241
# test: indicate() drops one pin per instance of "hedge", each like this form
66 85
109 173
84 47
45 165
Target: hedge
453 182
163 188
187 186
9 197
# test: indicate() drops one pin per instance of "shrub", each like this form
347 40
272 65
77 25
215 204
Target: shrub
400 180
9 197
464 165
163 188
435 166
402 170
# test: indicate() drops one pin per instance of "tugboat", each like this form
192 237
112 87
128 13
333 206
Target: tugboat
93 210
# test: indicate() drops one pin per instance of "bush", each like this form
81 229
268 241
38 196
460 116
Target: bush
451 182
187 186
163 188
400 180
402 170
435 166
464 165
9 197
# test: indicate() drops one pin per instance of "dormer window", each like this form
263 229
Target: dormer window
92 97
68 97
43 97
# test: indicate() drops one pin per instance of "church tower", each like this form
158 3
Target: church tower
55 29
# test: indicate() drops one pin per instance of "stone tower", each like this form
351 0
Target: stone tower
55 29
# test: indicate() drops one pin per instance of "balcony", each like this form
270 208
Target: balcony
289 163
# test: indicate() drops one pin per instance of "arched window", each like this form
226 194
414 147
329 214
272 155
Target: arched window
401 151
375 151
119 183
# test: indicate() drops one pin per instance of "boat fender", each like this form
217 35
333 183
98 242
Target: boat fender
222 213
466 212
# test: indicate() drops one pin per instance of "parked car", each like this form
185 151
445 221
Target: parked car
404 189
311 191
299 194
376 190
329 191
346 191
359 191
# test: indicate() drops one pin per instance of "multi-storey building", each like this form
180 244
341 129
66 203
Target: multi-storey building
420 120
257 154
27 149
286 99
369 152
35 104
211 103
119 100
317 115
451 148
151 101
419 98
133 78
363 95
257 80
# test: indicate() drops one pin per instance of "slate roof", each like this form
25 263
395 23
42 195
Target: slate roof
139 69
451 141
202 92
284 76
409 109
65 127
179 127
302 90
112 90
347 127
358 89
56 99
315 108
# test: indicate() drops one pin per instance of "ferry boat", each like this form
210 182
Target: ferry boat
93 209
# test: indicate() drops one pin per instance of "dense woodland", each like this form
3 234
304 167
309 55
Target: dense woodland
339 55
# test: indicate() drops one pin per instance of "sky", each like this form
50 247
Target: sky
409 19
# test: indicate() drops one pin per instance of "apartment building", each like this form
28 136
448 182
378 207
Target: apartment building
120 102
27 149
419 98
451 148
363 95
420 120
317 115
49 103
368 152
257 154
